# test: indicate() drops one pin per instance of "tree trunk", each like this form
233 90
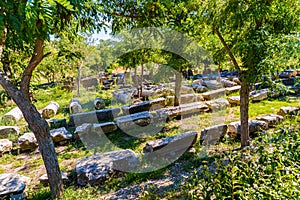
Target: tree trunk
78 79
40 128
177 88
244 107
142 79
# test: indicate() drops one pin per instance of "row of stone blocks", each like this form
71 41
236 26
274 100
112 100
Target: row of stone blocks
95 169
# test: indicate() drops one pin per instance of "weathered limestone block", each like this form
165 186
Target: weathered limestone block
184 99
234 100
231 90
89 82
234 128
99 104
212 84
271 119
288 111
27 142
123 96
144 106
5 146
217 104
199 88
213 94
227 83
183 110
134 121
96 169
211 135
12 186
259 95
171 144
75 106
50 110
60 134
93 116
44 178
6 130
13 116
102 128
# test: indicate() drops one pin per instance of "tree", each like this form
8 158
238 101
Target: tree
249 32
25 26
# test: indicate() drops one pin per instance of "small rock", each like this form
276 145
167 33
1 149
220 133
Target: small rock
231 90
28 142
234 128
5 146
50 110
227 83
60 134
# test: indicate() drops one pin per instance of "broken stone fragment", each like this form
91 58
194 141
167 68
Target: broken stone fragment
96 169
27 142
211 135
12 186
5 146
60 134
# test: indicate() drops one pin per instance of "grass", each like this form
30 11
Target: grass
68 155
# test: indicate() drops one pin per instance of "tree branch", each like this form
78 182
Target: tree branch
227 48
36 58
47 54
2 41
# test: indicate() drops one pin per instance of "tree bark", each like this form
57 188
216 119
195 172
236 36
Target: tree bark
244 95
37 56
40 128
178 83
244 107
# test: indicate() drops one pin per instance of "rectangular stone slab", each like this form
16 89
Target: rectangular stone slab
172 144
144 106
134 121
231 90
94 116
184 99
184 109
213 94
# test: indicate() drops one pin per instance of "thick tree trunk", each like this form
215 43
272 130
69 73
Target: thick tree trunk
244 107
40 128
177 88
